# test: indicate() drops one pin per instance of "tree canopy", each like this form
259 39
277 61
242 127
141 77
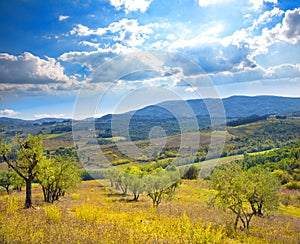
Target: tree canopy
245 193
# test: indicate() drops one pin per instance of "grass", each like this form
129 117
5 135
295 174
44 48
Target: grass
97 214
289 210
219 161
114 139
52 136
261 152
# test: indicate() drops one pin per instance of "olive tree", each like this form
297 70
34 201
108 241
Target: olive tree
57 176
245 193
23 157
6 179
262 190
9 178
162 184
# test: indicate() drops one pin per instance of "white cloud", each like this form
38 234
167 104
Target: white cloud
82 30
63 17
29 69
191 89
291 26
130 32
8 112
93 59
89 44
171 37
267 16
127 35
287 31
56 116
283 71
126 31
205 3
258 4
131 5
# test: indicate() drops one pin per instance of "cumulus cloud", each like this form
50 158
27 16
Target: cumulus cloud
93 59
267 17
287 31
82 30
8 112
126 31
258 4
63 17
131 5
89 44
29 69
291 26
214 56
284 71
126 35
130 32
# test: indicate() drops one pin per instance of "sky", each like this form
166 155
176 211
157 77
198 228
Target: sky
83 58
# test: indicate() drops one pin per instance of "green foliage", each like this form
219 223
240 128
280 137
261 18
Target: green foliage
245 193
23 158
91 174
57 176
247 120
6 179
262 136
10 179
162 184
151 180
283 162
120 162
119 180
263 188
17 181
293 185
191 173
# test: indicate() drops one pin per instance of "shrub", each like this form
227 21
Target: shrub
192 173
75 196
53 213
293 185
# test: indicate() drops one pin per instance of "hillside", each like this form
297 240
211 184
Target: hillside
100 211
234 107
173 116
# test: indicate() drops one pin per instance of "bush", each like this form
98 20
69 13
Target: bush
293 185
192 173
52 213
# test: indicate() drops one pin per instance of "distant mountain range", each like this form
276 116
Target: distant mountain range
173 116
234 107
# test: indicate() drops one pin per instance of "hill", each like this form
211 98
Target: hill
173 116
234 107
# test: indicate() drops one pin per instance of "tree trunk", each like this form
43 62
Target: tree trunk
236 221
44 193
135 197
259 210
28 201
248 220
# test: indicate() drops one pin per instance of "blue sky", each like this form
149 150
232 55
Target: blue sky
53 53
